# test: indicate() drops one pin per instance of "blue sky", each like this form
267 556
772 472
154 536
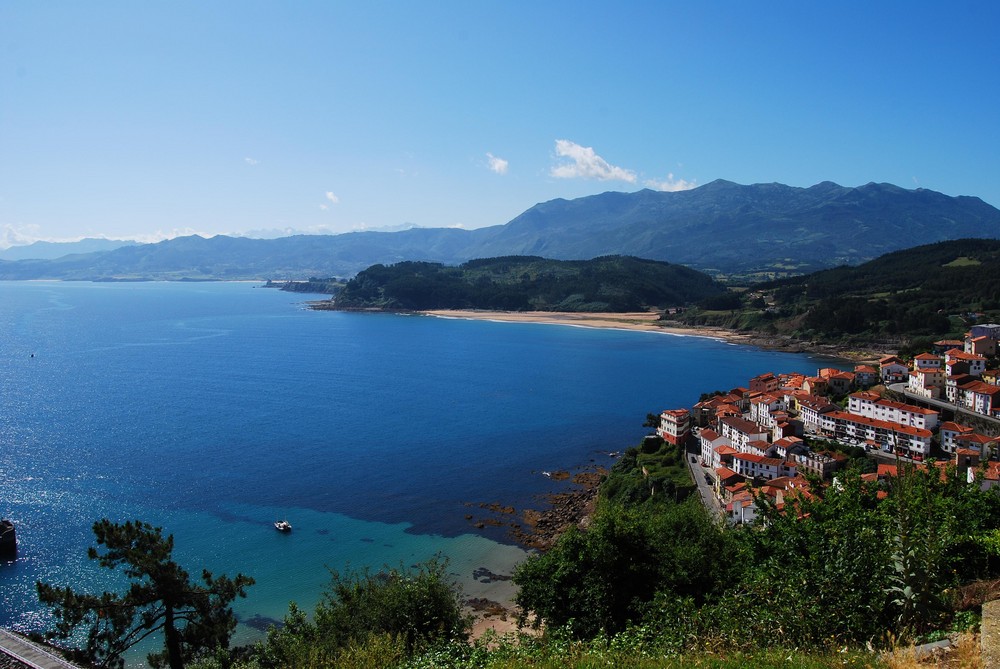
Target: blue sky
146 120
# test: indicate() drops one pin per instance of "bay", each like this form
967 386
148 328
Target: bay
213 409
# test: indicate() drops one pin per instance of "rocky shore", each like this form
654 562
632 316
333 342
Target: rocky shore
539 528
536 529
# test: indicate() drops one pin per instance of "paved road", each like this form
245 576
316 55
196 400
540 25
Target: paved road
705 489
30 654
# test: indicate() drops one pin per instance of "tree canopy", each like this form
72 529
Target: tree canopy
195 619
520 283
398 611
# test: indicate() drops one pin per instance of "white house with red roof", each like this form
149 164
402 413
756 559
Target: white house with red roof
954 387
976 363
762 448
927 383
751 466
675 426
925 361
949 431
875 406
709 440
979 443
982 398
740 431
892 369
722 456
905 440
812 408
741 508
788 447
764 406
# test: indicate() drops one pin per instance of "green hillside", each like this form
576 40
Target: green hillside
929 291
523 283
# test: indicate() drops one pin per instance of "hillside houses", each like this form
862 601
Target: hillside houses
875 406
752 436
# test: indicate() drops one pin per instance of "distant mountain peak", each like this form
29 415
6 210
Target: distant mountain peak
722 227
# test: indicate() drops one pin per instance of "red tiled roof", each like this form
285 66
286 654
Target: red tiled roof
867 395
959 354
884 424
742 425
887 470
951 426
725 473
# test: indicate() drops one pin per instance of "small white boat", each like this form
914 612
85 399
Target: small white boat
282 526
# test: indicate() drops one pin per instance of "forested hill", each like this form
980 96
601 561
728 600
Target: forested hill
927 291
522 283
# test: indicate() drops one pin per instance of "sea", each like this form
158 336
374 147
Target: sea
214 409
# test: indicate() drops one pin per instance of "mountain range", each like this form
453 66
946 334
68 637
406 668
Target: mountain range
722 228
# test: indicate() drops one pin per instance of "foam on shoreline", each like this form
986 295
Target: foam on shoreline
629 321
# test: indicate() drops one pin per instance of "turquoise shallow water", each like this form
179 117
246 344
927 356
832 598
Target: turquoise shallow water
214 409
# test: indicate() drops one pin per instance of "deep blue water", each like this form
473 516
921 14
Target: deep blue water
214 409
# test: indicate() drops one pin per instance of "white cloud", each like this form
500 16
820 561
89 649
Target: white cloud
161 235
332 198
670 184
584 163
251 161
324 207
19 235
498 165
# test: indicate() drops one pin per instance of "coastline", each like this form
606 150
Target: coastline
649 321
637 320
493 607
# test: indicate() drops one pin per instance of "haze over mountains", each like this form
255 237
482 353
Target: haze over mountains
722 228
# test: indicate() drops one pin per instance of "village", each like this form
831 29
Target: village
786 433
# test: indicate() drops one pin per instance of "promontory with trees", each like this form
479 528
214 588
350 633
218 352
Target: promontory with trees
899 302
527 283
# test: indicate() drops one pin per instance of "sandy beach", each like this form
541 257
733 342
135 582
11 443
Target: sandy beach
639 320
650 321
